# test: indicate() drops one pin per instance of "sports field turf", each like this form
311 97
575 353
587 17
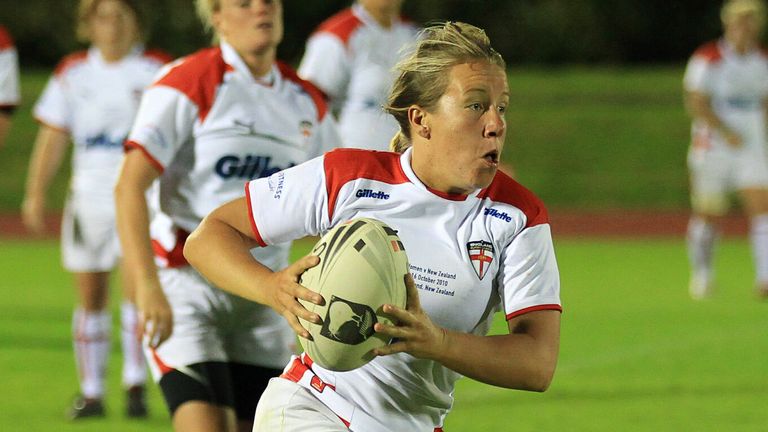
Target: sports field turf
636 353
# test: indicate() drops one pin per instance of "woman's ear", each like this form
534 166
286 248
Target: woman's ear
418 119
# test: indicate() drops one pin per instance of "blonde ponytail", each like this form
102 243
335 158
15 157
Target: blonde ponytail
399 142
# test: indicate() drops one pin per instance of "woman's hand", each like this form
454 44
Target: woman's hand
155 315
286 291
416 333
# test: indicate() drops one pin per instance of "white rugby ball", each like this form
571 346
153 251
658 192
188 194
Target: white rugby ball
362 265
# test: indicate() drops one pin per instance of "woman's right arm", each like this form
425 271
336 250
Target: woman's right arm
699 106
47 154
220 250
136 175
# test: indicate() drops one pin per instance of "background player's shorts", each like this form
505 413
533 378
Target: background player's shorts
89 241
717 173
285 406
210 325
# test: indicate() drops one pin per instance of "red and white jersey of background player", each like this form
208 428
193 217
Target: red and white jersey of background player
351 57
737 86
209 126
10 95
469 256
96 102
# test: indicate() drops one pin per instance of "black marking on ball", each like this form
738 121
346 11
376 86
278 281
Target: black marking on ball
348 322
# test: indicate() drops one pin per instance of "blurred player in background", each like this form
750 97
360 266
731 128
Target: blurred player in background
350 57
456 215
726 88
91 99
212 121
10 95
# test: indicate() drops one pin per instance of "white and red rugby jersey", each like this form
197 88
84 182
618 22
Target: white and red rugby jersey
10 95
209 126
96 101
737 86
469 255
351 57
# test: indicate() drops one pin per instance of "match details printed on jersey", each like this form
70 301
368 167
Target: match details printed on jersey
431 280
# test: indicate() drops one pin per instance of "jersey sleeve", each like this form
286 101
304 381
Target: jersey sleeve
289 204
326 65
698 75
164 122
52 108
10 94
528 279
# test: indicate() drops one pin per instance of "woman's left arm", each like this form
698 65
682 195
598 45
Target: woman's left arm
524 359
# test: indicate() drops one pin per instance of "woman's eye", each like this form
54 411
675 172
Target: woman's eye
502 109
244 3
476 107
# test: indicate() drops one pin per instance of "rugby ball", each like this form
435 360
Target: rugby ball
362 265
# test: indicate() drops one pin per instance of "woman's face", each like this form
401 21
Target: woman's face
250 26
113 25
743 30
466 130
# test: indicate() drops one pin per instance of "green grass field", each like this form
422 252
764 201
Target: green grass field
636 353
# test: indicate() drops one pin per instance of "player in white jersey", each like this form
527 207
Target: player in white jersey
477 242
726 87
91 99
350 57
10 96
212 121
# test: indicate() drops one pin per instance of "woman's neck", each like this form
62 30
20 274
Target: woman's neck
740 45
385 17
112 53
259 63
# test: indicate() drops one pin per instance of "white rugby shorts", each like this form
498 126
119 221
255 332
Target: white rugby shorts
89 241
718 172
212 325
286 406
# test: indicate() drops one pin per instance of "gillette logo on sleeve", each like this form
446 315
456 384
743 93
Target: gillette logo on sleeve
497 214
369 193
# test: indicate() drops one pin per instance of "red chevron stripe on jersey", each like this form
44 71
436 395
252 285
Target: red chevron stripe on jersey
504 189
341 25
5 39
344 165
69 61
198 76
710 51
317 95
158 55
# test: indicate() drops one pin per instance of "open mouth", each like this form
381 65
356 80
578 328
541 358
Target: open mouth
492 157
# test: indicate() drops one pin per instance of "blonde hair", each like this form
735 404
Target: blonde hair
205 10
86 9
422 76
733 8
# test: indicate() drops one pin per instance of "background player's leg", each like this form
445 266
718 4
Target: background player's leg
199 416
91 328
134 365
756 205
701 238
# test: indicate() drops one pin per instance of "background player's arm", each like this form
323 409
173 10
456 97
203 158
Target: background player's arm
699 106
47 154
220 250
136 176
5 125
524 359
